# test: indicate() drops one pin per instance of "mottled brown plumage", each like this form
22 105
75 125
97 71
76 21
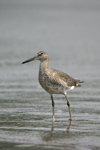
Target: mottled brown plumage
54 81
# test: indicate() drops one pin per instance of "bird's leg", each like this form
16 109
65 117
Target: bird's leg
68 103
53 108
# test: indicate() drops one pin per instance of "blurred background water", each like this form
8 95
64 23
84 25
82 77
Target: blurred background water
69 31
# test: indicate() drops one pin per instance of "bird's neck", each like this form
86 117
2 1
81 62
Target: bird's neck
43 65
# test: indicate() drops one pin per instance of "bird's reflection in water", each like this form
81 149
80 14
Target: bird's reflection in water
68 128
58 133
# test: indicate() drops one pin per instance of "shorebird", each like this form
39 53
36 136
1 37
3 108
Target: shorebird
54 81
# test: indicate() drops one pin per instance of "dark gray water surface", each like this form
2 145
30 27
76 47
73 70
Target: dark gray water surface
69 31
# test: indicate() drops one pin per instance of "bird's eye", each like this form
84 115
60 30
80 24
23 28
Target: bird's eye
40 54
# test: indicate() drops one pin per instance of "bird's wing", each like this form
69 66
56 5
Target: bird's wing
62 78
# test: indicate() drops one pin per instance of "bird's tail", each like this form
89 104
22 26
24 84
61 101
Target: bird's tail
77 83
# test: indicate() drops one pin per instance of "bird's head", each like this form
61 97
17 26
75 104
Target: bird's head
42 55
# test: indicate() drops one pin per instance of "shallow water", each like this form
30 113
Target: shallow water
69 32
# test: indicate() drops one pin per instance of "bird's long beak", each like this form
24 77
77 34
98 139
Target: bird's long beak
31 59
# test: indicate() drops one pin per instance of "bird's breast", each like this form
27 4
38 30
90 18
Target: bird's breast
49 84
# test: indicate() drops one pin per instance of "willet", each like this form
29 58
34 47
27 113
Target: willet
54 81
